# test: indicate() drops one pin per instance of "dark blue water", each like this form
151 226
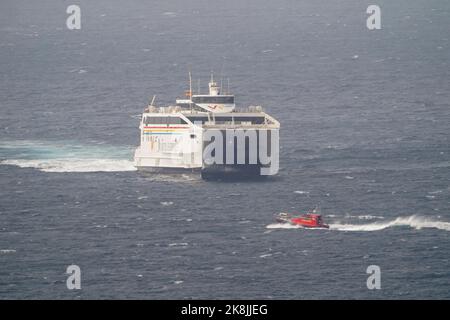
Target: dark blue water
365 122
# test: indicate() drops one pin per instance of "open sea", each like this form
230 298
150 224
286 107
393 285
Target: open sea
365 134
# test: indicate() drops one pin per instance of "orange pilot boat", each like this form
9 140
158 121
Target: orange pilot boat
309 220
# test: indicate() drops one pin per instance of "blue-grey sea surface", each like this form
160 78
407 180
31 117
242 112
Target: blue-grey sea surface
365 126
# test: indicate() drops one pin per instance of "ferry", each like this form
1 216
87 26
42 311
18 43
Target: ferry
207 134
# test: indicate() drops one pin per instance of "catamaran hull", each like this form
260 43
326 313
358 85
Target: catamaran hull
169 170
235 172
222 173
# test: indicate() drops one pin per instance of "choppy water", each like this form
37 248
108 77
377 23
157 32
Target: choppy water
365 133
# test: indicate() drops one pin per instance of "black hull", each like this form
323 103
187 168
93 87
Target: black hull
220 172
162 170
232 172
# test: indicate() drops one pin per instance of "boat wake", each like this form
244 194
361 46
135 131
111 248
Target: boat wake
283 226
74 165
290 226
65 157
416 222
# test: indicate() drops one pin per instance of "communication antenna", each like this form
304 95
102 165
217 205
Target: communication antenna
221 76
190 83
198 86
153 100
188 93
190 90
228 85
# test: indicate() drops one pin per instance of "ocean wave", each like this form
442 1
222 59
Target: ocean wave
7 251
178 244
301 192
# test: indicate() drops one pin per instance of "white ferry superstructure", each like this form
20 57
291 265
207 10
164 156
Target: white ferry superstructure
173 137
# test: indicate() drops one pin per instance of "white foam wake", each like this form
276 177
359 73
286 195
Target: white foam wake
282 226
74 165
414 221
66 156
289 226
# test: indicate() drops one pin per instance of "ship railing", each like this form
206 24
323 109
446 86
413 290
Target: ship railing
175 109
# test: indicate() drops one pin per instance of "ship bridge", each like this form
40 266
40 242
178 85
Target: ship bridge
214 101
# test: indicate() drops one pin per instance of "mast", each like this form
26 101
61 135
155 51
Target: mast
190 90
190 83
